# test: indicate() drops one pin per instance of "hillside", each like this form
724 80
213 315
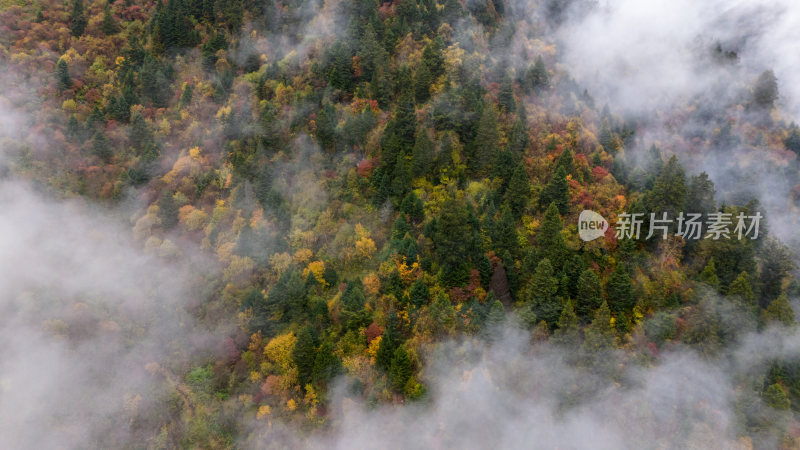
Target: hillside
355 224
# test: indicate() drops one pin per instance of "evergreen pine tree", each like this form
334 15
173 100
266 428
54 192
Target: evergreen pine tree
590 294
101 147
518 191
167 210
741 291
505 98
619 290
304 355
779 311
400 369
421 154
62 74
326 365
709 275
556 191
422 84
567 332
540 293
78 19
486 143
419 294
108 25
386 348
549 237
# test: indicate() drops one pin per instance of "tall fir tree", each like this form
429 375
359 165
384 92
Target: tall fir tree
77 20
556 191
518 191
63 79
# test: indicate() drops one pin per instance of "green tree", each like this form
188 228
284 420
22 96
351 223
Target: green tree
776 397
422 84
77 20
599 339
422 154
419 294
619 290
486 143
405 119
326 365
779 311
304 355
540 293
412 207
669 190
371 54
505 97
263 312
139 134
433 59
776 264
494 318
400 370
101 147
519 137
108 25
566 160
62 74
454 239
765 90
289 297
186 96
590 294
709 275
792 141
518 192
567 332
556 192
504 234
168 210
550 240
741 291
443 314
700 195
386 349
537 78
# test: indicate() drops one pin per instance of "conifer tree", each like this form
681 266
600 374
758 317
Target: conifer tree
304 355
567 332
108 25
78 19
487 141
540 293
422 84
741 291
167 210
62 74
505 98
422 154
556 191
619 290
780 311
400 370
518 191
549 237
326 365
590 294
419 294
709 275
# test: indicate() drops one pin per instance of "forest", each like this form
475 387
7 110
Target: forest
355 224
